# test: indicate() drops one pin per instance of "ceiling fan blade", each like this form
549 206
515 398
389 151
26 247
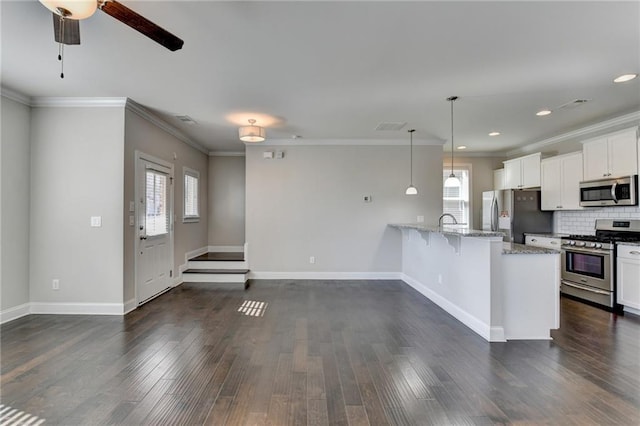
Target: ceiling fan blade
65 30
141 24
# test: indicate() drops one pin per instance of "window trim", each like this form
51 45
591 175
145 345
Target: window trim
186 171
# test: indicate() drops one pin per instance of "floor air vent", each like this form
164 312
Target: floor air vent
253 308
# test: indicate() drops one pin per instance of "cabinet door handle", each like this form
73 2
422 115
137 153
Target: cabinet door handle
634 252
558 207
554 242
533 240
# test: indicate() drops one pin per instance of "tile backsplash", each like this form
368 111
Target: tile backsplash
584 221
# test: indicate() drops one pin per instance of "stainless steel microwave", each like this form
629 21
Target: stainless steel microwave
609 192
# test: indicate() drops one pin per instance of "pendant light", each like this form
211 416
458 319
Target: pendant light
452 181
411 190
252 133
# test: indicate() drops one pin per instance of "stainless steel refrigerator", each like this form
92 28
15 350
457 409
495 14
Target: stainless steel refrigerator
515 212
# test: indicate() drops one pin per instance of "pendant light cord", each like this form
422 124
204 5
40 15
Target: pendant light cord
411 158
452 99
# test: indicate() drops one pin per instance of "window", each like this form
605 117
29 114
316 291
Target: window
191 208
156 219
455 200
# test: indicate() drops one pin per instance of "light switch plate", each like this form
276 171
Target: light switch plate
268 155
420 219
132 206
96 221
131 220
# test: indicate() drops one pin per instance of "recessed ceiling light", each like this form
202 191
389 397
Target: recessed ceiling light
494 134
543 112
625 77
462 147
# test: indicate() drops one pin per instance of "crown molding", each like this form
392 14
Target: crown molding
347 142
226 154
15 96
631 119
135 107
60 102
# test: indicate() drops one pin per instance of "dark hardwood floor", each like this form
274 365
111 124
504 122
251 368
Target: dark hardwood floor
321 353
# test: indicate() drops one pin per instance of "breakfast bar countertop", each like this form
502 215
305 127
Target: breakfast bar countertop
448 229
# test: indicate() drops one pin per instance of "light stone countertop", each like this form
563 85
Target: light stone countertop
515 248
447 230
548 234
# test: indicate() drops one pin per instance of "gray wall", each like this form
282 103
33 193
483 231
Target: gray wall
226 200
14 204
76 173
144 136
311 204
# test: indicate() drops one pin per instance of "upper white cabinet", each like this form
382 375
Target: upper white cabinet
523 172
559 181
614 155
498 180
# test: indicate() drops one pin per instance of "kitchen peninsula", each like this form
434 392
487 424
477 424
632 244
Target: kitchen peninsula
502 291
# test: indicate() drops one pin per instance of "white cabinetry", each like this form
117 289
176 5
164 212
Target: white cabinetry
498 180
523 172
614 155
560 182
628 268
540 241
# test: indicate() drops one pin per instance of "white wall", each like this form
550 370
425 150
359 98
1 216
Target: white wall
311 204
226 200
14 204
146 137
76 173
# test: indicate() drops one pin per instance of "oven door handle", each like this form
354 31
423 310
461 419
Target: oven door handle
613 192
581 287
596 252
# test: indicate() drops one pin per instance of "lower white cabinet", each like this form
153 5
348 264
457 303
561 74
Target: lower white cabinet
628 267
539 241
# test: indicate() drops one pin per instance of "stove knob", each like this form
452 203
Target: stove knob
591 245
566 243
580 244
598 245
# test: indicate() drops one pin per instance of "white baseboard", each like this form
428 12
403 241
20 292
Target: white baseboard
129 306
324 275
226 249
14 313
484 330
78 308
631 310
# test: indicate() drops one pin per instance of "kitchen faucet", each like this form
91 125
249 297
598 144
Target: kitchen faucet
446 214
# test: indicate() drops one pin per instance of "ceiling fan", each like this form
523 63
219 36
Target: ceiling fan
68 13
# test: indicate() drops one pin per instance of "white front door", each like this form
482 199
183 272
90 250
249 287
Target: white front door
154 228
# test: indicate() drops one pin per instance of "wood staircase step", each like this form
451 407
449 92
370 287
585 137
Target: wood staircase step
220 256
216 271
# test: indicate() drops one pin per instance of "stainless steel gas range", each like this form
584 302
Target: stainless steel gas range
589 261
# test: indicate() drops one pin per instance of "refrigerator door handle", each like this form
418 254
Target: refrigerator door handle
494 215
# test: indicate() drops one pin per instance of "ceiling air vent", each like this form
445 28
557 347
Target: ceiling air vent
574 104
390 125
186 119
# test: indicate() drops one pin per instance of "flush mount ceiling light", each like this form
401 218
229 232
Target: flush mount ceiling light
494 134
452 180
252 133
411 190
543 112
625 77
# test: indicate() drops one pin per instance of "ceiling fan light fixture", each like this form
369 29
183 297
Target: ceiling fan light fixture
72 9
624 77
252 133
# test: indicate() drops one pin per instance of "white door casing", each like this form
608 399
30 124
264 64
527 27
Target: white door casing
154 227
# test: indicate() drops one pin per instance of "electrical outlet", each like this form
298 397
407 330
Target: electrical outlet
55 285
312 259
367 198
420 219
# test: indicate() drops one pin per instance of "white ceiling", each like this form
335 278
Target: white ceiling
331 71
